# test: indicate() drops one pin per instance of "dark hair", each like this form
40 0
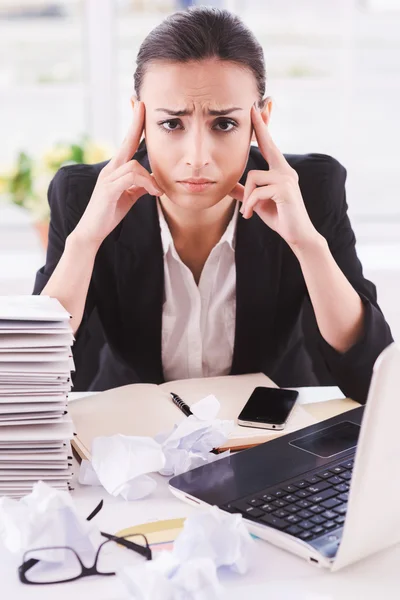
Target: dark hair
200 33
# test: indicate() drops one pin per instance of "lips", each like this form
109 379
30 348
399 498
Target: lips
197 181
197 185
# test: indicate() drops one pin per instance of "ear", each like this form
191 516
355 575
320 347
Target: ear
133 100
266 109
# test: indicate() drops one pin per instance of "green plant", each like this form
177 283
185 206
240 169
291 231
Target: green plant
26 182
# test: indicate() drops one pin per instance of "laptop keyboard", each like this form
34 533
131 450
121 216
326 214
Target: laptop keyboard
307 507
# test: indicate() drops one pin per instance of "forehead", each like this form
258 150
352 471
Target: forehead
211 82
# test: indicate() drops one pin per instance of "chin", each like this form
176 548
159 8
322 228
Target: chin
194 200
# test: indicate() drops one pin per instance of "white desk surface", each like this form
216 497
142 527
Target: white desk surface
275 575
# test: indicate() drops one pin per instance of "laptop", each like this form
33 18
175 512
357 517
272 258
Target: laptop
328 493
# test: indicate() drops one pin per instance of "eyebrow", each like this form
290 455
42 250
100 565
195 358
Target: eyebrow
214 113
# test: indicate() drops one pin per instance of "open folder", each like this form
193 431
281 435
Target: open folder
147 409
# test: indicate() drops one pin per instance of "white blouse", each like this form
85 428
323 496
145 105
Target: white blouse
198 322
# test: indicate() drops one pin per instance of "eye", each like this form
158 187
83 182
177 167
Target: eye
170 125
226 125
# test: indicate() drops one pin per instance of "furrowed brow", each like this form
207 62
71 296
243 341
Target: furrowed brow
184 113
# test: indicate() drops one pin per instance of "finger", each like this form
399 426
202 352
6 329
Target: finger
127 181
134 167
262 193
237 193
269 149
260 178
256 179
132 139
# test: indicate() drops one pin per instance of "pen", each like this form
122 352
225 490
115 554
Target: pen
181 404
186 411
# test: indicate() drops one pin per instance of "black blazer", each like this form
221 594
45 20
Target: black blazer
127 286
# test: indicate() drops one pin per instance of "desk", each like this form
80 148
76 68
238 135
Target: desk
276 575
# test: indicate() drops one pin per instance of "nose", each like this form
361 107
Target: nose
197 150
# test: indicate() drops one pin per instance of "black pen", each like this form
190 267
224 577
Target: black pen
181 404
186 411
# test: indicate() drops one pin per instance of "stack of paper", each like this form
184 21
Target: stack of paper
35 378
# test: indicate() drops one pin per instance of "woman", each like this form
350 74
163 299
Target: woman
183 285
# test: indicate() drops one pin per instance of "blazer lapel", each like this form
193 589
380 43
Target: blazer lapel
140 281
258 257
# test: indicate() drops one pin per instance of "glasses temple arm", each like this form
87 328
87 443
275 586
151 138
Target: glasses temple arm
143 550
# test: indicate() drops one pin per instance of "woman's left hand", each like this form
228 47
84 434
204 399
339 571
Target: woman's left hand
275 194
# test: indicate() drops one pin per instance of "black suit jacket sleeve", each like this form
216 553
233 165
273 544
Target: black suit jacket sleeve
349 369
62 223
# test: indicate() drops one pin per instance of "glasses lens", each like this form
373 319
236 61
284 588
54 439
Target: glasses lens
52 565
113 556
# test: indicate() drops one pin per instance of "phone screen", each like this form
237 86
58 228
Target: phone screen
269 405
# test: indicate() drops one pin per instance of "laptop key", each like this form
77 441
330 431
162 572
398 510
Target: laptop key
324 495
290 498
294 530
304 514
306 535
341 510
342 487
293 519
337 469
318 487
244 508
344 497
341 519
317 529
312 479
306 524
279 503
329 514
278 493
254 512
331 503
300 484
317 519
255 502
303 503
292 508
335 480
268 508
348 465
239 506
325 474
267 497
346 475
280 513
317 509
330 524
290 488
274 522
303 494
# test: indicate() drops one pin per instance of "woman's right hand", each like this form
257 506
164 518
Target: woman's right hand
120 183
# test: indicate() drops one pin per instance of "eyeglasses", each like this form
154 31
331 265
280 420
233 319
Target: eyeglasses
60 564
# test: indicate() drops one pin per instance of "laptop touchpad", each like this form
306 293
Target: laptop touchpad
327 442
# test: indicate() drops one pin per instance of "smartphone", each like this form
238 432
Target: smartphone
268 408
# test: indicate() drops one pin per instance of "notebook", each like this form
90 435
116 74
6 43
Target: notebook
147 409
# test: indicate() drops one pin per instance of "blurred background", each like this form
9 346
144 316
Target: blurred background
66 77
